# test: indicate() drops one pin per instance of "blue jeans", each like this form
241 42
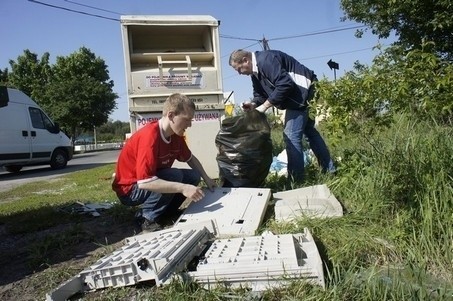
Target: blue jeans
154 204
297 124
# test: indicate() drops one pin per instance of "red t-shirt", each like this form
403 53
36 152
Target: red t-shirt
145 152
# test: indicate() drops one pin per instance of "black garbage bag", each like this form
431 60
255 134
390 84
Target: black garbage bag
245 150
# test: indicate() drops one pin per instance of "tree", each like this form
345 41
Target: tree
29 74
4 77
414 22
80 91
113 130
416 83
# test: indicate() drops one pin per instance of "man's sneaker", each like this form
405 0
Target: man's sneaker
170 217
145 225
149 226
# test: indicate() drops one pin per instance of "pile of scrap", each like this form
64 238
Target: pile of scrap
215 236
313 201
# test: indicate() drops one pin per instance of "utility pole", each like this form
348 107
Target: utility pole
95 138
265 44
333 65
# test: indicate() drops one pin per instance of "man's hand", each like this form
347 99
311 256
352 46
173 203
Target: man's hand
193 192
211 184
248 106
262 108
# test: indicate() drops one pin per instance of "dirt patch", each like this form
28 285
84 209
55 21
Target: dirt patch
33 264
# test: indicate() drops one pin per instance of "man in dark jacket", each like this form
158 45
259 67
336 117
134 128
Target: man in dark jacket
279 80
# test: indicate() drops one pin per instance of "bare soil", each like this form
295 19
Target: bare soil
22 278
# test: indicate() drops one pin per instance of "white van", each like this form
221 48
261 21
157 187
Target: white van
28 136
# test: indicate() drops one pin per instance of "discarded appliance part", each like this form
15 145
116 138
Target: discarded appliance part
235 211
147 257
260 262
66 289
89 208
151 256
312 201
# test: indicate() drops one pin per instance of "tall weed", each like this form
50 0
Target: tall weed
401 178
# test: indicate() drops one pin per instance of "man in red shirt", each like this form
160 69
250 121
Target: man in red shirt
144 174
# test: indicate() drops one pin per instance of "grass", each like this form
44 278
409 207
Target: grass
394 242
32 206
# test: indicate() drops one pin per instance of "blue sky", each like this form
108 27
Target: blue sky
40 28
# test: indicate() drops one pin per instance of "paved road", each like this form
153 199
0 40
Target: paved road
43 172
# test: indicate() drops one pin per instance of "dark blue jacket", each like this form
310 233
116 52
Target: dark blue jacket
282 80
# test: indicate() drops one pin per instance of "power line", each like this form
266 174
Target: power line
72 10
237 38
249 46
323 31
221 35
338 53
96 8
265 42
317 33
257 41
316 57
